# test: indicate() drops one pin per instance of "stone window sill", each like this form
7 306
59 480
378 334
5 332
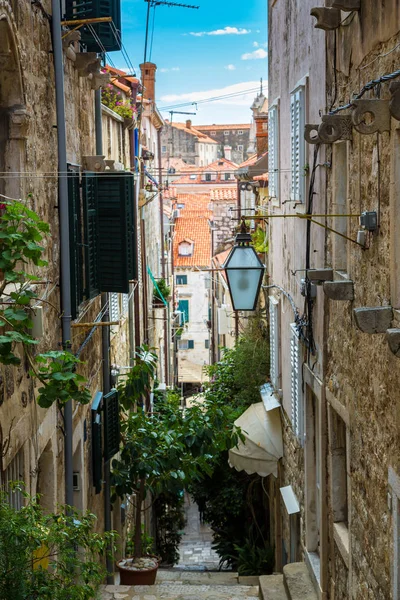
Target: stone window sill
313 562
341 537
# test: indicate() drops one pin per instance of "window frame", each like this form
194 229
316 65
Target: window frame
273 151
296 384
297 143
275 342
179 277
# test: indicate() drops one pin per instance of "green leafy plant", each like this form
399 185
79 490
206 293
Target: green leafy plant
21 236
260 240
147 544
49 556
170 522
163 288
255 560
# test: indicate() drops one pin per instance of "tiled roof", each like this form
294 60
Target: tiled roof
193 131
224 194
263 177
178 164
250 161
223 127
121 86
221 165
193 224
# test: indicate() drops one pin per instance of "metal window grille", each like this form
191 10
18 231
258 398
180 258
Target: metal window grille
273 152
14 472
114 306
297 400
274 342
297 110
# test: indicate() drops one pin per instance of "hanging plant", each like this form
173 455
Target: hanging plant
21 237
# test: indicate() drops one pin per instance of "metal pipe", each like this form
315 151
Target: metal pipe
105 344
65 276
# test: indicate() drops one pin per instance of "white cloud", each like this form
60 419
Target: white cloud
255 44
243 98
168 70
230 67
257 54
224 31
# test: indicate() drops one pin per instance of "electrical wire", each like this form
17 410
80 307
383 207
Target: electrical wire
211 99
124 51
152 33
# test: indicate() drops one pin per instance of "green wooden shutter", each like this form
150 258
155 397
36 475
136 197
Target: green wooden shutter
89 185
183 307
116 252
75 241
111 424
190 344
93 9
97 443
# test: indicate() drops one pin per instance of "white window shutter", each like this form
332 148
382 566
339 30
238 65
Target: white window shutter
273 152
297 109
274 343
125 304
296 363
114 306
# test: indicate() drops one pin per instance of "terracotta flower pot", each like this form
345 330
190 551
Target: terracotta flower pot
139 577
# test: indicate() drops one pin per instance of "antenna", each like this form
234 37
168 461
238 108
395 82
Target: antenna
261 86
165 3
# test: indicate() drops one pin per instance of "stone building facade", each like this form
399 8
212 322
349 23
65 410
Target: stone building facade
233 140
185 141
340 403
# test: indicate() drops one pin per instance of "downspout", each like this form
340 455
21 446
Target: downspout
133 305
65 276
167 319
105 344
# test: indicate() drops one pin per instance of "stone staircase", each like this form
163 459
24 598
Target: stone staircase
294 584
187 585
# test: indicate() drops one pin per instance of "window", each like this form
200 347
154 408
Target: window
207 344
296 363
297 114
181 280
338 451
192 176
208 176
14 472
213 133
114 306
180 205
273 152
227 176
313 478
163 149
240 147
183 309
226 132
186 344
240 132
104 35
274 332
185 249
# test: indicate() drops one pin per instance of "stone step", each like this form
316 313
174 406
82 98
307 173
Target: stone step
298 582
179 591
272 587
200 577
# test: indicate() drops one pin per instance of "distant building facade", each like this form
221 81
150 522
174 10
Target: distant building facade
233 140
182 140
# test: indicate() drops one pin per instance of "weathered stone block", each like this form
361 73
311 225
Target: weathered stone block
373 319
94 163
298 582
393 339
347 5
379 113
87 62
327 18
70 38
320 275
99 80
339 290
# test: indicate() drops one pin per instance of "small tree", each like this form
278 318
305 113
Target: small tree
163 451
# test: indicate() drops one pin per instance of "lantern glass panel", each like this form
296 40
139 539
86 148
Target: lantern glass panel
244 272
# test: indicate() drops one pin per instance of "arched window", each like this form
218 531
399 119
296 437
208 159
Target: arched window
186 248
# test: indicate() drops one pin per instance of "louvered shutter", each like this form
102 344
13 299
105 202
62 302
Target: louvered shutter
274 343
75 241
111 425
273 152
296 384
125 304
89 186
97 443
190 344
114 306
183 308
116 251
94 9
297 144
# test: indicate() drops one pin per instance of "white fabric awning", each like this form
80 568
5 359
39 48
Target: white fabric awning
263 446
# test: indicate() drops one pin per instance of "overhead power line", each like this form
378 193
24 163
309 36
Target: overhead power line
211 99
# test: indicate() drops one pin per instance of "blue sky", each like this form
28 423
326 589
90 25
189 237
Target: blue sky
216 50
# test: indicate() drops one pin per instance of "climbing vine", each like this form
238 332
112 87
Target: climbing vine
22 233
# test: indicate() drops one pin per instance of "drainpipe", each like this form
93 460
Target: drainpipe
105 343
65 276
167 318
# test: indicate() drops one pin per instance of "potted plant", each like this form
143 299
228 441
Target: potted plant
163 290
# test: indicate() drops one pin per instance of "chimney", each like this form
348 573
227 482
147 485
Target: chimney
261 121
228 152
148 71
188 124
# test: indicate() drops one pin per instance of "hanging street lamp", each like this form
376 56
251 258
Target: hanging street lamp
244 272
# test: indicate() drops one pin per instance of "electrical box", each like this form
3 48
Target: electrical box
369 220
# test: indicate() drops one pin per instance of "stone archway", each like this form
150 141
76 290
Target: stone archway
14 118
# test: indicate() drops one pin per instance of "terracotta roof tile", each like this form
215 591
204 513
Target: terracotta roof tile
224 194
193 224
221 165
263 177
193 131
223 127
